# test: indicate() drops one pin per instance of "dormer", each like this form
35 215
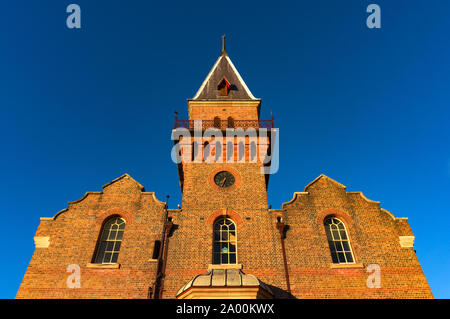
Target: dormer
224 87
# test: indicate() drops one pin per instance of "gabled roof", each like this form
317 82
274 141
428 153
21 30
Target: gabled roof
131 179
323 176
224 68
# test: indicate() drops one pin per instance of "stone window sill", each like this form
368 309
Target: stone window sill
225 266
103 266
346 266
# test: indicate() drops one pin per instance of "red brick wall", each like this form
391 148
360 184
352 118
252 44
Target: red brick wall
73 236
374 235
239 110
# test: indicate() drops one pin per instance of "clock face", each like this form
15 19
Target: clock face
224 179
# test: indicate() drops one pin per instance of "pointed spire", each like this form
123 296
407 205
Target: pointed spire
224 69
224 52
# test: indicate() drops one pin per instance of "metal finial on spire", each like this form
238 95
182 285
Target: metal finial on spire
224 52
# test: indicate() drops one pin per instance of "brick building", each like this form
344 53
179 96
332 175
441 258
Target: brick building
224 241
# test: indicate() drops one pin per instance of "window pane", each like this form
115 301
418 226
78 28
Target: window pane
346 246
224 259
117 247
349 257
216 259
102 247
119 235
332 247
114 257
334 258
110 246
336 235
341 257
107 258
101 252
112 235
224 248
232 258
224 236
105 233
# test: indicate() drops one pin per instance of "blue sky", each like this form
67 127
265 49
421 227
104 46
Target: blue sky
368 108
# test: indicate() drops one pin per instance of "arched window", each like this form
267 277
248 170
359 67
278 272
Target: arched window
224 242
217 122
230 122
341 251
109 242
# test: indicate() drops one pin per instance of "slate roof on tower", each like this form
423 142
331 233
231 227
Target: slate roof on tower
224 69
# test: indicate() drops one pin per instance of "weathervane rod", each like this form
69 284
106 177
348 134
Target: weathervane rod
223 45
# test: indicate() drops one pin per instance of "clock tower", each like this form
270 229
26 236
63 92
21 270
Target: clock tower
224 144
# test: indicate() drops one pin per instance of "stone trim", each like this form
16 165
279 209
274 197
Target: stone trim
346 266
406 241
103 266
224 213
41 242
230 266
225 293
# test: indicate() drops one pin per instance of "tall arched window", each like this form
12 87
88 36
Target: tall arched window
109 242
224 242
341 251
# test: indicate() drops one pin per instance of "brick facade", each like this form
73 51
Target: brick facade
376 236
